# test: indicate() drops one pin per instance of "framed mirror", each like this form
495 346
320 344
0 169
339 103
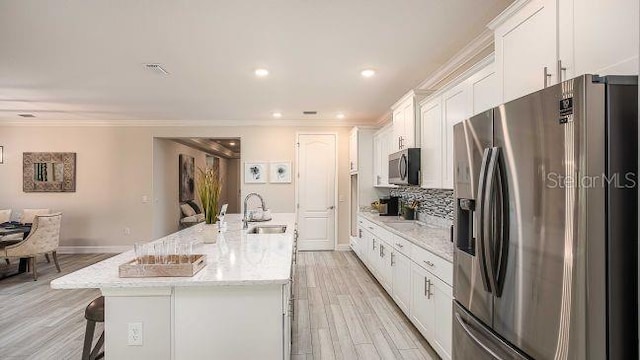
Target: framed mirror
49 172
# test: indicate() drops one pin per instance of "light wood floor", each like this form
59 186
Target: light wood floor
340 313
343 313
37 322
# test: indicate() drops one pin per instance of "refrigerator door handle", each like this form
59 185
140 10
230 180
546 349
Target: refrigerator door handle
481 221
502 243
489 210
467 329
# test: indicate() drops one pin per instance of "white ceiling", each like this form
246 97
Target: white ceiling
83 60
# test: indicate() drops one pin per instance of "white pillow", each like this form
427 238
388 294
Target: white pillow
29 214
187 210
5 216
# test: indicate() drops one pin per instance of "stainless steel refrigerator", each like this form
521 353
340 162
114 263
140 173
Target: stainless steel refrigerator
545 263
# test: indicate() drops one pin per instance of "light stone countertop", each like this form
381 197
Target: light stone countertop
433 237
237 258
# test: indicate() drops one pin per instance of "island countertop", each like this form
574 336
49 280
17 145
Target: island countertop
237 258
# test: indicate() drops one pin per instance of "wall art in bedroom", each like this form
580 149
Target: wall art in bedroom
187 177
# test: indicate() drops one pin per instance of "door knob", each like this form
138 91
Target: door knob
331 207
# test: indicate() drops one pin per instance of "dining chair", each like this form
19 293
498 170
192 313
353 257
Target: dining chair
44 238
28 214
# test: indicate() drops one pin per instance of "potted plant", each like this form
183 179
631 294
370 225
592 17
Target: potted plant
409 210
209 187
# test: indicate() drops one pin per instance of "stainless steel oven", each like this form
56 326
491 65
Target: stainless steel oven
404 167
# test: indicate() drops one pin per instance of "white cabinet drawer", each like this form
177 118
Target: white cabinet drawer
402 245
436 265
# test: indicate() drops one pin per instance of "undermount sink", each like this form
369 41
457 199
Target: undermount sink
405 225
268 229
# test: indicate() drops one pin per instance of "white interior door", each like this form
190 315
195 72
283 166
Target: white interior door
316 191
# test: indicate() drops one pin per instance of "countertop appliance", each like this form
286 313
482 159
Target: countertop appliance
389 206
404 167
545 263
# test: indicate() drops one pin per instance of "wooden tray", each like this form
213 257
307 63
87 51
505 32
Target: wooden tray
133 269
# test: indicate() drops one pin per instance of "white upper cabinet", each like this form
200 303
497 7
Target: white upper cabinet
474 92
604 34
382 146
540 42
405 116
526 46
483 90
455 108
431 154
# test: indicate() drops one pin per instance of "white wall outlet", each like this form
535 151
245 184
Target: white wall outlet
341 198
127 231
145 199
135 334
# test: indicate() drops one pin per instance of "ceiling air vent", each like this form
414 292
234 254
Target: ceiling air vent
27 115
157 68
310 112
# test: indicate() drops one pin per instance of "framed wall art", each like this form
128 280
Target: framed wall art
187 177
49 172
280 172
255 172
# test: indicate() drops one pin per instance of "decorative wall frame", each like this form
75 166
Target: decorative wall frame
255 172
280 172
49 172
1 155
187 177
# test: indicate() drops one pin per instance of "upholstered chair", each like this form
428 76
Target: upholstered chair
5 216
44 238
28 214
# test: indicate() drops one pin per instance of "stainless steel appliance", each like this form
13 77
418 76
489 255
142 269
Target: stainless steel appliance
404 167
389 206
545 263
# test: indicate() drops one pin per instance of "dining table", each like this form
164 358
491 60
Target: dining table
11 228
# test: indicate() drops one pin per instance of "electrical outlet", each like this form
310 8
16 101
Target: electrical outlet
135 334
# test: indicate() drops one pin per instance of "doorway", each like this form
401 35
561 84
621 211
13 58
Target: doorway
316 190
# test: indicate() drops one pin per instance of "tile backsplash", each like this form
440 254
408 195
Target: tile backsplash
433 202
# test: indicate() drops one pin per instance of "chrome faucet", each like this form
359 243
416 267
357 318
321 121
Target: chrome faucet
245 218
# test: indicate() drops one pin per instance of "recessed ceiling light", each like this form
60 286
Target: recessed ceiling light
367 73
277 115
340 115
261 72
27 115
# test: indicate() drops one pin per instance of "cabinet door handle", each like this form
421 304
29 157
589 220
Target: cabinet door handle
425 286
429 263
399 245
360 233
560 70
381 250
374 244
392 262
547 76
428 285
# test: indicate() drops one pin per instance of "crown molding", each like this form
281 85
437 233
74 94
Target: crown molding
507 13
190 123
488 60
475 47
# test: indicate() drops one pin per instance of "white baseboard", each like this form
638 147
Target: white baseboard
343 247
93 249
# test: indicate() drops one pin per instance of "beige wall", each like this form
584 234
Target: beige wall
115 170
166 179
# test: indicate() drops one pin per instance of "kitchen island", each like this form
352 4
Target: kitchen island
236 307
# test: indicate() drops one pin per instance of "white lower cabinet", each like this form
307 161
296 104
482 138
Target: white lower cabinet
431 309
401 281
417 280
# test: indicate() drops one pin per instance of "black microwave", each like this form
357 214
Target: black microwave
404 167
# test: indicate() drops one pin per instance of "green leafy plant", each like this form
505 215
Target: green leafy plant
209 187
